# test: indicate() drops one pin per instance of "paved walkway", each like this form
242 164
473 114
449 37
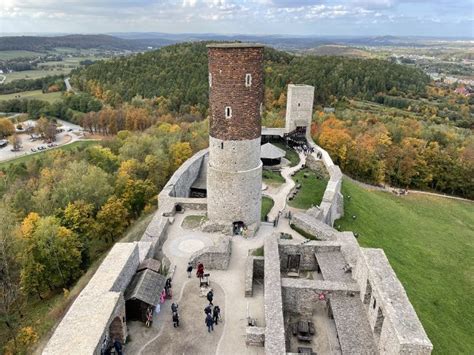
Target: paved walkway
280 195
230 296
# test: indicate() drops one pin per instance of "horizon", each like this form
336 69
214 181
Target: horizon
314 18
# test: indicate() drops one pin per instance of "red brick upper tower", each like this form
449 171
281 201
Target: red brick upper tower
236 90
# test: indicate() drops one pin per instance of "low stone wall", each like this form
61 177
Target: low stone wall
255 336
299 295
307 261
250 273
99 303
215 257
275 326
332 204
183 178
313 226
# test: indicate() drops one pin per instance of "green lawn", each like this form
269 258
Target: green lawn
430 244
291 154
267 204
34 94
311 191
24 159
271 177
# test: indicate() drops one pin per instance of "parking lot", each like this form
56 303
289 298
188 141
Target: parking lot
70 133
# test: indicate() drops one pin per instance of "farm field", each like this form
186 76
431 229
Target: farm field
7 55
34 94
35 74
429 242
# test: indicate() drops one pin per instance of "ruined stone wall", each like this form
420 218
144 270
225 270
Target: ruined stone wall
332 205
308 260
275 327
299 295
180 183
215 257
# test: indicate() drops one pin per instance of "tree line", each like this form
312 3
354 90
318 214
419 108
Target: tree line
399 152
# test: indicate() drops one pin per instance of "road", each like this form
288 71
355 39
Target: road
68 85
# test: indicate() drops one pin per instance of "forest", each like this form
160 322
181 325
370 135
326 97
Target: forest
63 209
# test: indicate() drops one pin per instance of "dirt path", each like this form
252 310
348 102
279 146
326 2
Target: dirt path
280 195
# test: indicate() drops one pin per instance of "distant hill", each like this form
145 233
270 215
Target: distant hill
39 44
179 73
339 50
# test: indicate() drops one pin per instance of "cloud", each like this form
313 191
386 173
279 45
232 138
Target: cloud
244 16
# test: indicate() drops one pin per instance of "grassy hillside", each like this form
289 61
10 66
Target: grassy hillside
33 94
430 244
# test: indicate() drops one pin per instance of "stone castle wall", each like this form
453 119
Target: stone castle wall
299 106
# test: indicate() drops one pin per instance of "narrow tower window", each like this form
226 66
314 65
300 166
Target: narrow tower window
222 145
248 80
228 112
210 80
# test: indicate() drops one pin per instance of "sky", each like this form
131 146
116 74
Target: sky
446 18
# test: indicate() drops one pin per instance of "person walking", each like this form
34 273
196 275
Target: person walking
208 310
174 307
189 270
210 296
210 323
216 314
175 319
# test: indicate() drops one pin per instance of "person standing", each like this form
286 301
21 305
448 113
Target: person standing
200 270
210 296
189 270
216 314
210 323
175 319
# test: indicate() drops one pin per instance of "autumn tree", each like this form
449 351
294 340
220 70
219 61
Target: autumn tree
6 127
180 152
112 219
50 254
78 216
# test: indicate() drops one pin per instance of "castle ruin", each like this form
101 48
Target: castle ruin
349 294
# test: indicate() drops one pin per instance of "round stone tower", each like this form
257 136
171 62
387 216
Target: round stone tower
234 178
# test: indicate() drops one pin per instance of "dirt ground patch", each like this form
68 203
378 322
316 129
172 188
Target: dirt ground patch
192 332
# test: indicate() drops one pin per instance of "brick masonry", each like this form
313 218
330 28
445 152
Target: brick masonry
228 66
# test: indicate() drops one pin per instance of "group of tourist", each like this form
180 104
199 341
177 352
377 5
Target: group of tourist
213 312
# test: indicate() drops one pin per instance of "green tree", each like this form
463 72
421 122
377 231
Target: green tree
112 219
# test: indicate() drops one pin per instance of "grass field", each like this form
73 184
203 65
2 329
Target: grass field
291 154
267 204
272 177
429 242
311 191
34 94
24 159
35 74
7 55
